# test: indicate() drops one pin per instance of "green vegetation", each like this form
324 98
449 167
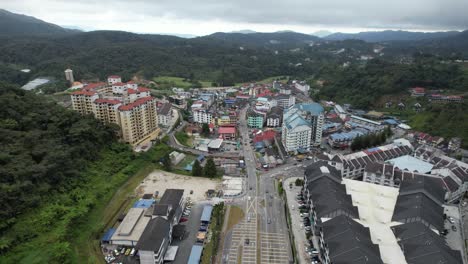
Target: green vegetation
76 167
236 214
210 170
280 188
167 163
183 138
371 140
197 169
205 130
299 182
211 248
167 82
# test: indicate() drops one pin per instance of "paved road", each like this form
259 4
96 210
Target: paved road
264 225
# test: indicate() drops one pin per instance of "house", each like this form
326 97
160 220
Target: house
454 144
255 119
445 98
418 91
227 133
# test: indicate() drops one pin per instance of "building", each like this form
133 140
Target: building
274 117
125 104
437 98
114 79
360 122
201 113
364 222
301 86
227 132
129 231
285 101
178 101
344 139
165 114
454 144
157 236
255 119
139 120
302 127
340 112
69 76
418 91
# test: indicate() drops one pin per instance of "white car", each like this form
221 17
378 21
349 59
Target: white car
451 219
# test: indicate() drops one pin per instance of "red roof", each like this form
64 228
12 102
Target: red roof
130 82
419 90
84 92
211 125
92 86
119 84
143 89
265 135
131 91
227 130
107 101
113 77
137 103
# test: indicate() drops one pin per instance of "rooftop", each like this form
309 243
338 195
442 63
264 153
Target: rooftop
154 235
411 163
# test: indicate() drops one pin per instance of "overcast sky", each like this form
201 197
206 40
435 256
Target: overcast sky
207 16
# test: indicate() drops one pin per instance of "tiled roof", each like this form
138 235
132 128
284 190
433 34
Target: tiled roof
137 103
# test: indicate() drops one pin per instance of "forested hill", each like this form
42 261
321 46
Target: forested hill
12 24
43 149
391 35
285 39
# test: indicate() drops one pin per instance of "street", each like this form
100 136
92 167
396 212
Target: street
263 231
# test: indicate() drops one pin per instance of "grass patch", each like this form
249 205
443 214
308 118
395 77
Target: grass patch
236 214
167 82
184 139
211 248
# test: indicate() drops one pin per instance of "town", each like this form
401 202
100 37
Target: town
294 179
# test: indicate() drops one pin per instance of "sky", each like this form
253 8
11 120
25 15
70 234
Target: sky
208 16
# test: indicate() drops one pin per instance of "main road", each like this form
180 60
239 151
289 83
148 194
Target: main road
262 236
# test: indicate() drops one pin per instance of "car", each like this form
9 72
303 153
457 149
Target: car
451 219
202 228
183 219
248 218
123 250
307 228
454 228
127 252
132 252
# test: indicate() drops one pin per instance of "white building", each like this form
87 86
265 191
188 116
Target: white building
285 101
302 127
201 113
69 75
302 86
114 79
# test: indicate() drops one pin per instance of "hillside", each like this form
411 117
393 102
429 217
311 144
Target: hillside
273 40
12 24
390 35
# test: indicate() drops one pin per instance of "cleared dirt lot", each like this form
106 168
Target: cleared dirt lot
162 180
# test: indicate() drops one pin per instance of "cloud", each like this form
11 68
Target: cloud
206 16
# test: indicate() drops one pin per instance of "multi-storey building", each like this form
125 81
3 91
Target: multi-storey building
201 113
274 117
165 114
302 127
255 119
125 104
138 120
285 101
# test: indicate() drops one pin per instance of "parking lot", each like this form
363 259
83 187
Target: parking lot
303 248
190 238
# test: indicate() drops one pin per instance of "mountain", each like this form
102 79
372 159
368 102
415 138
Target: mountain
12 24
322 33
391 35
281 39
244 31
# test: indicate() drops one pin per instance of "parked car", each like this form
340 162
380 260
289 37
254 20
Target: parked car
454 228
451 219
183 219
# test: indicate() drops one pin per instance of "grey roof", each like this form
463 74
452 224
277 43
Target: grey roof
275 112
329 197
165 109
421 246
349 242
154 234
172 197
451 184
418 207
432 187
161 209
314 171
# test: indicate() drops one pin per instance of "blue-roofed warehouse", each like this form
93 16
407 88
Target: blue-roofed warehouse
206 214
143 203
344 139
108 235
195 254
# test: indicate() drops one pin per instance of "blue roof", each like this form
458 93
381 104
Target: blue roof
390 121
313 108
143 203
206 214
296 120
346 136
195 255
188 167
107 236
201 157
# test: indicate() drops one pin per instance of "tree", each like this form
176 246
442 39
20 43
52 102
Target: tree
205 129
197 169
167 163
210 168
